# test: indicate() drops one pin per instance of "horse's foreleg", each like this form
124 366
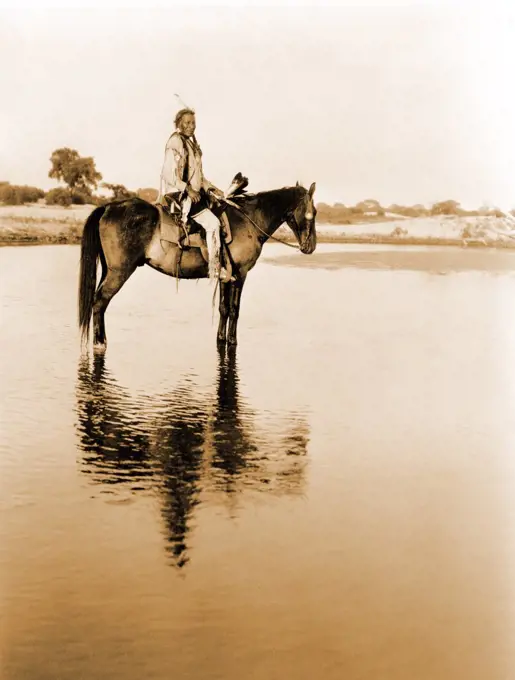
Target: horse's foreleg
223 307
234 310
112 283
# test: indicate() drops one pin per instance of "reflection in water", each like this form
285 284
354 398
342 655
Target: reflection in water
185 446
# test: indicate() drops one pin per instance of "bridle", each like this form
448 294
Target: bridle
268 236
291 220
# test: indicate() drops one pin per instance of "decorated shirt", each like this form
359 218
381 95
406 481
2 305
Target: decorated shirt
182 151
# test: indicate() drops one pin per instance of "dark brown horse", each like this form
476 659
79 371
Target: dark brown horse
125 235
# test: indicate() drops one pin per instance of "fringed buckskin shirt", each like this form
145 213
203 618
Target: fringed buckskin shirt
183 165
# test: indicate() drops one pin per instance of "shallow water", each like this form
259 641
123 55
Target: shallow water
335 499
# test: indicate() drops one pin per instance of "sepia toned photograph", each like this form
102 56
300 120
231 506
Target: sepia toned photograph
257 311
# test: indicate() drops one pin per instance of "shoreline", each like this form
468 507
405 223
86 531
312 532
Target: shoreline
321 239
41 225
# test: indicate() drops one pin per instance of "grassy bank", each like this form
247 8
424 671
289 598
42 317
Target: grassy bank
40 224
23 230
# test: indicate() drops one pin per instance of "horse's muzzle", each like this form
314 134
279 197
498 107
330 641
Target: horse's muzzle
308 245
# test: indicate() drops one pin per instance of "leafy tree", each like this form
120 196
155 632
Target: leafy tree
13 194
78 173
370 206
59 196
417 210
149 195
119 191
81 197
445 208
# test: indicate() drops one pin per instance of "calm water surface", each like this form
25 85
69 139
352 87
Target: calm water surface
335 500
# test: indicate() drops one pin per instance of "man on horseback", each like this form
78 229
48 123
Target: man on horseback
188 191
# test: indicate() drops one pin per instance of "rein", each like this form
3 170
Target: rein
235 205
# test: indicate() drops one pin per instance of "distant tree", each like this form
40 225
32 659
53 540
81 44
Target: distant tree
13 194
9 195
419 210
323 211
395 208
119 191
81 197
149 195
80 174
357 209
370 206
59 196
489 210
408 211
445 208
333 214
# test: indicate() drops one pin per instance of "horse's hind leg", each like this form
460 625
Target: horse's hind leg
108 288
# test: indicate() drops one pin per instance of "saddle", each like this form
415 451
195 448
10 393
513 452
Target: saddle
171 227
172 231
194 236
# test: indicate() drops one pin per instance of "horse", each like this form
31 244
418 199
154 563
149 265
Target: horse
125 234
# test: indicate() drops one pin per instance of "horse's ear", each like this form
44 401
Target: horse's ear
312 189
297 185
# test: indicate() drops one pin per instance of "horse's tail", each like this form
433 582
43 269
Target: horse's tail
90 251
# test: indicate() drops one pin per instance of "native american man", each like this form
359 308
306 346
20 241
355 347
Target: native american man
182 179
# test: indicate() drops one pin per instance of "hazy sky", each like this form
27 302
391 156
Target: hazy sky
405 103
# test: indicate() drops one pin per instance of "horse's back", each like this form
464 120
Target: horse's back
126 229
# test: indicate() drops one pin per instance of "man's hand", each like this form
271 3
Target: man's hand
216 191
194 195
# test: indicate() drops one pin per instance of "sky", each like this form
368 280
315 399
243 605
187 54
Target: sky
406 103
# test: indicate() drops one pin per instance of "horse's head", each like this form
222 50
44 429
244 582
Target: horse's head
301 220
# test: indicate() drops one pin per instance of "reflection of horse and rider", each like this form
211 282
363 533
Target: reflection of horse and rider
185 446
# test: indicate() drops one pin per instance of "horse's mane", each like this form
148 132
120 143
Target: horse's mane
269 197
273 202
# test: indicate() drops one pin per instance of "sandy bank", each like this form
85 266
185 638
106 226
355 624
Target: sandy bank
41 224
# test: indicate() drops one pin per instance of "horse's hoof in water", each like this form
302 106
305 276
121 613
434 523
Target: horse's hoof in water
99 347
